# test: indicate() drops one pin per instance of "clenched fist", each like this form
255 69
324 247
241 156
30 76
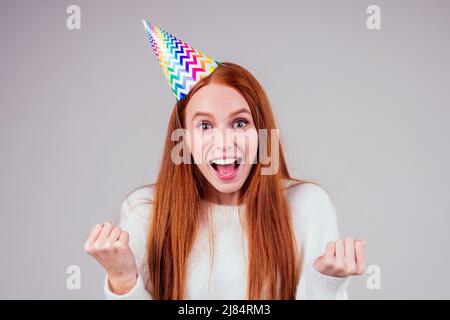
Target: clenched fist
342 258
109 246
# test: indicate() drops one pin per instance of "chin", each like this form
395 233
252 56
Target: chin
226 188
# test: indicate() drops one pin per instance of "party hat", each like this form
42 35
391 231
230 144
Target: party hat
182 65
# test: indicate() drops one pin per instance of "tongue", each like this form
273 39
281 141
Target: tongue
225 169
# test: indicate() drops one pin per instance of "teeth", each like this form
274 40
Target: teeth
224 161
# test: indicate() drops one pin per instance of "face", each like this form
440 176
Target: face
223 137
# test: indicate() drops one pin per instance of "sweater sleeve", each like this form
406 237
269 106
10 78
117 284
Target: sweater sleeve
132 222
320 228
138 292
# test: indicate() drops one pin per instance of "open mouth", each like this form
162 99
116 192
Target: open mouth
226 168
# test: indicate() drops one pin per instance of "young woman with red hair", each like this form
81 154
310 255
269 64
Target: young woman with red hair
219 224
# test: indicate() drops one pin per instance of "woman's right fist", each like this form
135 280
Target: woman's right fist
109 246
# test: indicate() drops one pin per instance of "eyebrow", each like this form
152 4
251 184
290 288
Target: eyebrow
201 113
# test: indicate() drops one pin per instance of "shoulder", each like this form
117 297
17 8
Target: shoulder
143 195
313 215
135 214
305 192
137 205
309 202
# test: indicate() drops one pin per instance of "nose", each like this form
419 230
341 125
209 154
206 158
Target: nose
224 143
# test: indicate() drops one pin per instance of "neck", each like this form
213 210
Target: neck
228 199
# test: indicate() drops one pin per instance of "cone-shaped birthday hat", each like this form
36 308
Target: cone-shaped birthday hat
182 65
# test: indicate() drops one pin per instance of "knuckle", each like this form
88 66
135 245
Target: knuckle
349 268
94 247
87 247
328 262
119 245
99 247
349 240
339 265
360 243
107 246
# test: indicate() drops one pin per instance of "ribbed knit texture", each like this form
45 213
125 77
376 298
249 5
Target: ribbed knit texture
314 223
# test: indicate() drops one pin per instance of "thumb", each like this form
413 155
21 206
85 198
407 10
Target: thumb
330 250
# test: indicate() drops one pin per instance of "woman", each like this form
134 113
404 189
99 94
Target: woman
221 222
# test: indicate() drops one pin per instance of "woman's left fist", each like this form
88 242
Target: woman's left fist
342 258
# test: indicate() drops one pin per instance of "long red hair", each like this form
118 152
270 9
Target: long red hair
272 273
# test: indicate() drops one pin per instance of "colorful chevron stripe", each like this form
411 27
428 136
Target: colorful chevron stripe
182 65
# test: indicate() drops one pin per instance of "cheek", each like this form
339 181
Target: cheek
188 141
253 150
199 147
249 144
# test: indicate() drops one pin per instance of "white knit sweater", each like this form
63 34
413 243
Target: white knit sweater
314 223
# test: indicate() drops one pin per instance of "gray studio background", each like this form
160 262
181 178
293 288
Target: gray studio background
84 113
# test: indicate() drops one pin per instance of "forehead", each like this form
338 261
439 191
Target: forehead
218 99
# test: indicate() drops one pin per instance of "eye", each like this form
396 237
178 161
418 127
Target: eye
240 123
204 125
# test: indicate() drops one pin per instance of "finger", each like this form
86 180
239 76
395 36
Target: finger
340 253
115 234
104 234
330 250
349 249
360 251
124 237
94 234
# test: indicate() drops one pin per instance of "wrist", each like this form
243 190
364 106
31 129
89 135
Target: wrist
122 284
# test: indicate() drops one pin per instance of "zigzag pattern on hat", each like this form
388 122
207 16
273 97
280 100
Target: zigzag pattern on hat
183 66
